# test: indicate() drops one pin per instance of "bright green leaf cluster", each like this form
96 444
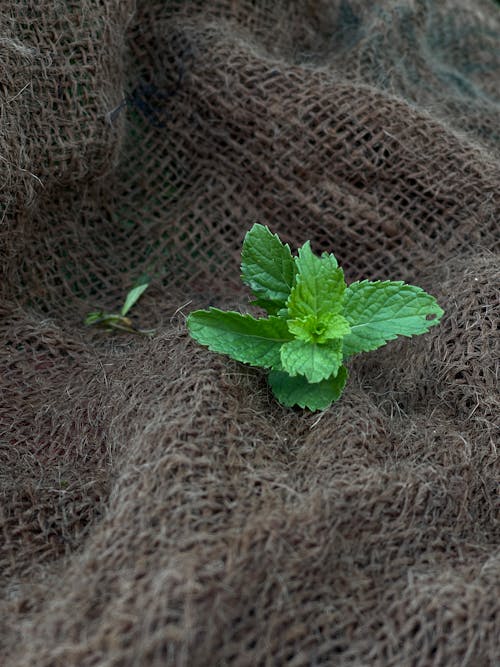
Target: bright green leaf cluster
315 321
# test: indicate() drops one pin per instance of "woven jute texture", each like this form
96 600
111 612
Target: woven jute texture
158 507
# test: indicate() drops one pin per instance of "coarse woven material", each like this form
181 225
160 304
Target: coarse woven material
157 506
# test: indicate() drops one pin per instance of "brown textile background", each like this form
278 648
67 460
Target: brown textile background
157 506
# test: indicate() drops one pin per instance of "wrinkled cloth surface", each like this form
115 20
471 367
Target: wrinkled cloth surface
157 505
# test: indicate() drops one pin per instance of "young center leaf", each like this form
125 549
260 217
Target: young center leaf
297 390
382 310
310 329
242 337
268 268
316 301
316 361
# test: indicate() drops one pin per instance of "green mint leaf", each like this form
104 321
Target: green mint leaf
267 267
242 337
316 361
297 390
139 287
380 311
317 297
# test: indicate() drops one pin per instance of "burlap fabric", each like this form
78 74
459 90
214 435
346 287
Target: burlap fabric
158 507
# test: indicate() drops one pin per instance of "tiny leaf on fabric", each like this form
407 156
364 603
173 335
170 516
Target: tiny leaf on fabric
139 287
297 390
382 310
316 361
242 337
93 318
267 267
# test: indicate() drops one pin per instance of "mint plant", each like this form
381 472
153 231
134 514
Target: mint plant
315 321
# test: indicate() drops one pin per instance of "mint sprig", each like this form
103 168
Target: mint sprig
315 321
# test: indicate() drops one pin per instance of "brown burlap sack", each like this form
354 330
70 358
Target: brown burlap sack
158 506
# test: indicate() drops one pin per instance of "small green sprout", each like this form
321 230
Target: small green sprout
119 322
315 321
